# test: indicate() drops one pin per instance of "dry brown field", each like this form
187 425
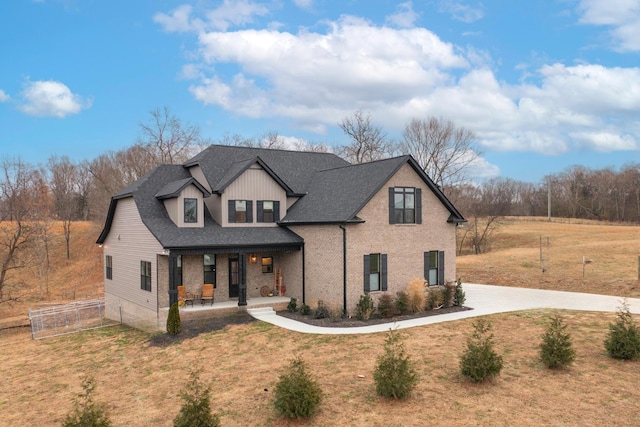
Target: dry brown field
139 376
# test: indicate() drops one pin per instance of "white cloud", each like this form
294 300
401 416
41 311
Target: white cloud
3 96
229 13
622 16
304 4
405 17
461 12
316 78
50 98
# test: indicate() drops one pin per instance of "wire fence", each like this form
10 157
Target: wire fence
68 318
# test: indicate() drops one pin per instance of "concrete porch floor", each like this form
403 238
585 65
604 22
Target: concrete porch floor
233 304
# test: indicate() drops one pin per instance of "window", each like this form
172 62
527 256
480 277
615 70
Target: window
210 269
405 205
434 267
267 264
145 276
108 263
375 272
240 211
268 211
191 210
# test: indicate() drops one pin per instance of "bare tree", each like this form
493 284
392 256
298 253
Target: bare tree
167 138
63 182
18 195
441 148
368 142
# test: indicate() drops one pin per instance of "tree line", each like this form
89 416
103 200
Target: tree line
32 196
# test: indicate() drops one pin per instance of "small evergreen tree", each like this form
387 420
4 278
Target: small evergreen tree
87 413
623 339
394 375
365 307
297 395
459 296
292 307
402 302
556 350
173 320
480 361
196 409
386 306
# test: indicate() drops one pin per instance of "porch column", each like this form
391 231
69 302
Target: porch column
173 290
242 279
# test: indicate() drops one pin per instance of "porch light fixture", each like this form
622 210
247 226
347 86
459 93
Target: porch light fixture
253 258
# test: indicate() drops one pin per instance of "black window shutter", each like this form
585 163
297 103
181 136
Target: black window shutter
367 272
418 206
426 267
249 210
232 211
441 268
276 211
392 216
383 272
260 212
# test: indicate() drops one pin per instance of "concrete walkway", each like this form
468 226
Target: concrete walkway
484 299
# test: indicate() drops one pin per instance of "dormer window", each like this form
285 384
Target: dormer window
240 211
190 210
268 211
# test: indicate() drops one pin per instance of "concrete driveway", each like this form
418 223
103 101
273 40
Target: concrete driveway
484 299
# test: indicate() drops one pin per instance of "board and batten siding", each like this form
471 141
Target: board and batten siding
253 184
129 242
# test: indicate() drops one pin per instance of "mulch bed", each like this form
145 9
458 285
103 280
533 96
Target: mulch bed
374 320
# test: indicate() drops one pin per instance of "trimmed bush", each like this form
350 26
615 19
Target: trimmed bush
196 409
322 312
446 294
87 413
394 375
416 295
364 307
459 296
556 350
173 320
386 306
402 302
292 307
297 395
433 297
480 361
305 309
623 339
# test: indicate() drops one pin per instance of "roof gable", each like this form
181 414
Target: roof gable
174 188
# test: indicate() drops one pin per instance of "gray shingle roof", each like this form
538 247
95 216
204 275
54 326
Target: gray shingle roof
174 188
331 189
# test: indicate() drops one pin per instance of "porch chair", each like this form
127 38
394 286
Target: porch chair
207 293
184 296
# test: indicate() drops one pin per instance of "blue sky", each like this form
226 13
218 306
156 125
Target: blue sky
543 84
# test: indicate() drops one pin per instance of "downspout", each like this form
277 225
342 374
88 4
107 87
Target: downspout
303 279
344 270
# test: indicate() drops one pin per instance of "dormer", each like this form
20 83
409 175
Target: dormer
184 202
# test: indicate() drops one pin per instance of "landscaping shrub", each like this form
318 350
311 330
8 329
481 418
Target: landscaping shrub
305 309
556 350
364 307
480 361
292 307
623 339
173 320
394 375
433 297
196 409
446 294
402 302
386 306
322 312
87 413
459 296
297 394
416 295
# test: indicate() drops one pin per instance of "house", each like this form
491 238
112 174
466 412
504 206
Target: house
236 216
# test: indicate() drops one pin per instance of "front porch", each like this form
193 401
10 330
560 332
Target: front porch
201 311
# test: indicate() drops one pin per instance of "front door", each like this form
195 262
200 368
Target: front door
234 277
